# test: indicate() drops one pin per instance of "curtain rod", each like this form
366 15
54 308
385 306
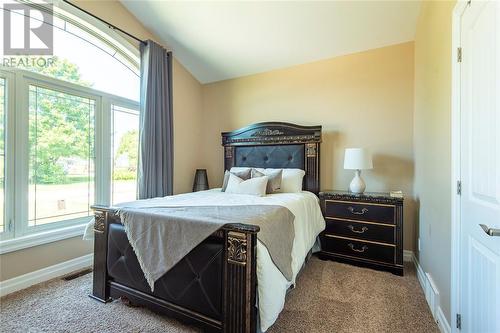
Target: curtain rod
112 26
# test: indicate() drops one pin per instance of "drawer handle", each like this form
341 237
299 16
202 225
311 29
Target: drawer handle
357 231
351 209
363 248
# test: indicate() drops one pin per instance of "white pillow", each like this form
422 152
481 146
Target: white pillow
291 181
238 169
253 186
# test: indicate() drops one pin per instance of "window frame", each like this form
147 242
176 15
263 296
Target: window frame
9 132
23 130
18 234
127 105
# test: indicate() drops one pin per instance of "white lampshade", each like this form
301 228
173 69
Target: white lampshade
357 159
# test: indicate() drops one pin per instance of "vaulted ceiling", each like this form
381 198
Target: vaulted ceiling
227 39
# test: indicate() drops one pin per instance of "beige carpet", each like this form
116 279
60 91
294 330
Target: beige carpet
330 297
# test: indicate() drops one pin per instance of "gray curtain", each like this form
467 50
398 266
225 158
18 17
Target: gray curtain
155 176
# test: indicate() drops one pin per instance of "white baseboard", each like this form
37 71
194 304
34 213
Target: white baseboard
443 324
431 294
45 274
407 255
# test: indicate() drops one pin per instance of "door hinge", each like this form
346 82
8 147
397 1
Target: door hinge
459 54
459 321
459 187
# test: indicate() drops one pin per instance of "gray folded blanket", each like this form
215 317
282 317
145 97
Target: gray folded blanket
162 236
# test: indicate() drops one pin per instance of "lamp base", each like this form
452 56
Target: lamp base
357 185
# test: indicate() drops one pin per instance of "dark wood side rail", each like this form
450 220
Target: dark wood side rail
239 278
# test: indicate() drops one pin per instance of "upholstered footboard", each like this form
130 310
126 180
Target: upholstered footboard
213 287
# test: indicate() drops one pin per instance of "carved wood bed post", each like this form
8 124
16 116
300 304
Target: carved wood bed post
228 157
312 167
100 289
240 278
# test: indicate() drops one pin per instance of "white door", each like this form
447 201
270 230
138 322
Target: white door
480 168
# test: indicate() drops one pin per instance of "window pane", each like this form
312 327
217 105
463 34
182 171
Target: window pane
125 141
2 153
61 150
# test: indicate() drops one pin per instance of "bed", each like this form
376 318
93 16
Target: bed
220 285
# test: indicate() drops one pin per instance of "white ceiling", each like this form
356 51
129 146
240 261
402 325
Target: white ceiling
222 40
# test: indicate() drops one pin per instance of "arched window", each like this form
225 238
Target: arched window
102 59
76 118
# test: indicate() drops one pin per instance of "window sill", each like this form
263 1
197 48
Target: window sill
24 242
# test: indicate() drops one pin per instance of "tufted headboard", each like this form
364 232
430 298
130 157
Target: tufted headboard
275 145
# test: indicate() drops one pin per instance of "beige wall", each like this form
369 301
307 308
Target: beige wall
187 135
363 99
17 263
433 142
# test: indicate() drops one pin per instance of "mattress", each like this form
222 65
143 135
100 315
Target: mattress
271 284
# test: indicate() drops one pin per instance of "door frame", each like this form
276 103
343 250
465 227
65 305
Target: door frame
455 161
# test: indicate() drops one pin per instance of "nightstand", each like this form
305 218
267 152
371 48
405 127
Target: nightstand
364 230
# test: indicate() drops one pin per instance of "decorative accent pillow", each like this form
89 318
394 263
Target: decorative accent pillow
252 186
240 173
274 182
291 181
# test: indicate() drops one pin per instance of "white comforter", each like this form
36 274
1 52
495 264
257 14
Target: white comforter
309 222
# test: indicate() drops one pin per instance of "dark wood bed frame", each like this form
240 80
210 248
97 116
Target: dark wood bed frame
239 241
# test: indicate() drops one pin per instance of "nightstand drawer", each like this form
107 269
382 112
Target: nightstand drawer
364 231
358 249
360 211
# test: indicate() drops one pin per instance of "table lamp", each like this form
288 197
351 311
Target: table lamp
200 180
357 159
